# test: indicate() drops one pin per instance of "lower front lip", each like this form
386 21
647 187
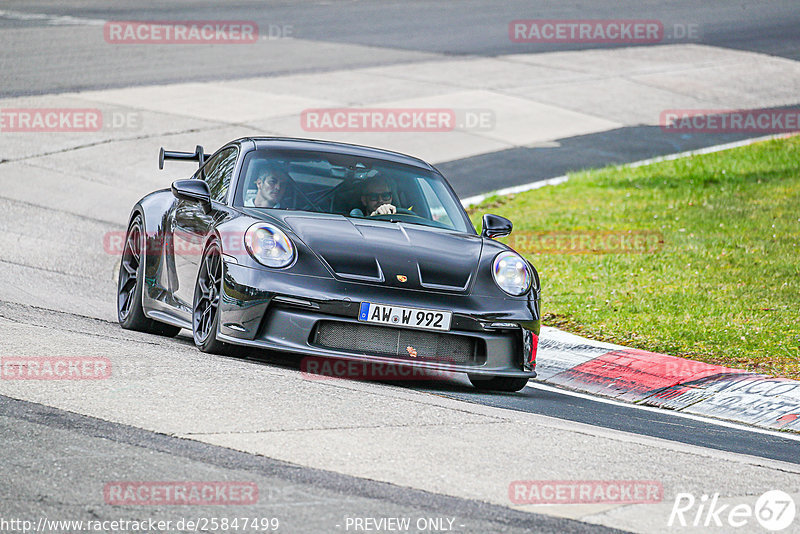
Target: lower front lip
283 312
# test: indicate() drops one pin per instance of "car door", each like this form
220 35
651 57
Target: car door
191 222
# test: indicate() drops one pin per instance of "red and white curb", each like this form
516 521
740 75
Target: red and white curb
664 381
659 380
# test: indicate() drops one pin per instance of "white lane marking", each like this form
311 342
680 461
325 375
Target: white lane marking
708 149
515 189
669 157
718 422
53 20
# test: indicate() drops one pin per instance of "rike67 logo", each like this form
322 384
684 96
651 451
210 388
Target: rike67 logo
774 511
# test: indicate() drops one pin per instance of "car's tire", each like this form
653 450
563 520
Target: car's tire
130 313
498 383
205 307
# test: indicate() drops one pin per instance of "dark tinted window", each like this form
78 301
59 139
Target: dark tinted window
338 184
218 172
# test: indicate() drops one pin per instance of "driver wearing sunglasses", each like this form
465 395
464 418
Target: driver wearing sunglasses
376 198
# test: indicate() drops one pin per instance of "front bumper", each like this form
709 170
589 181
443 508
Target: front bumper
281 311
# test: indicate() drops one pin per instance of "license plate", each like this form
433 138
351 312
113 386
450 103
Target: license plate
405 317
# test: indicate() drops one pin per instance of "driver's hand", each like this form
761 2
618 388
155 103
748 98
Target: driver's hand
385 209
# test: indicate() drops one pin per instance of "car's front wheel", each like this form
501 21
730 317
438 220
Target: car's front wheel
130 285
205 311
498 383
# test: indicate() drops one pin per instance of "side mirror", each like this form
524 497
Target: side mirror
193 191
495 226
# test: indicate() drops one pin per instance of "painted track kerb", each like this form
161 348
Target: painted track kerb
660 380
541 386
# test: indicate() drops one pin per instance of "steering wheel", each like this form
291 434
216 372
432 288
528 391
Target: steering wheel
403 211
399 211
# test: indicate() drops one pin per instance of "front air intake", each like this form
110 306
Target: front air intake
399 342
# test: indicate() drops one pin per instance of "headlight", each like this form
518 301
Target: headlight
511 273
269 245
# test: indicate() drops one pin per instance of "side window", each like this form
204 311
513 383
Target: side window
218 173
437 209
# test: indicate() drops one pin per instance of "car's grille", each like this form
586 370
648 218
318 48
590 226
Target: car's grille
386 341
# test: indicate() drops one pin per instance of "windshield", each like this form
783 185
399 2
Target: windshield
347 185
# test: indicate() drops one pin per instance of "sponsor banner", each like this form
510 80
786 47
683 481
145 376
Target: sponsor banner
54 368
181 32
148 493
754 399
687 393
676 397
585 491
756 121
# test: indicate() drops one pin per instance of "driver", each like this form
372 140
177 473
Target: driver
271 186
376 198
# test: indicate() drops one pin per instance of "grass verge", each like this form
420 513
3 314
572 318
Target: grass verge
697 257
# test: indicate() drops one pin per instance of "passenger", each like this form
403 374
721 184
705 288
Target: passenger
271 186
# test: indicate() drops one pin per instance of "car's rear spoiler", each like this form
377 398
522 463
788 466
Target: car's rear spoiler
199 156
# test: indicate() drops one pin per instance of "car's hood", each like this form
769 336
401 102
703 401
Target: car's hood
393 254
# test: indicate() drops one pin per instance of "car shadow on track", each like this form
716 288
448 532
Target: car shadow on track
453 383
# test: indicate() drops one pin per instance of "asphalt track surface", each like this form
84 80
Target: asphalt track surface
398 31
628 418
41 54
302 500
55 459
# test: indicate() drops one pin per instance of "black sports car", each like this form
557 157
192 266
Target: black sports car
330 250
